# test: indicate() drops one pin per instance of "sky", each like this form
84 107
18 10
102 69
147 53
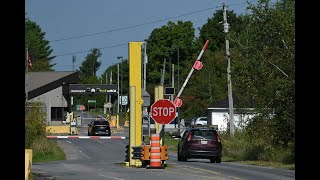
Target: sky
74 27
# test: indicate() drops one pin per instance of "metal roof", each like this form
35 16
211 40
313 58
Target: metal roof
39 79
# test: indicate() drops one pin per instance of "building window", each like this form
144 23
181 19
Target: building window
56 113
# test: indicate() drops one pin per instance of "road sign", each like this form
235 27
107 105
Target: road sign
163 111
177 102
124 100
197 65
82 108
92 101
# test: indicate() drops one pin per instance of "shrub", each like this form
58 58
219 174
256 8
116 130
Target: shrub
35 126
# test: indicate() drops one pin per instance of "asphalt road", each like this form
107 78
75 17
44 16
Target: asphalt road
95 159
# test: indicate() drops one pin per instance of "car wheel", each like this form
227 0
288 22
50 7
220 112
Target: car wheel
212 160
183 157
218 159
179 156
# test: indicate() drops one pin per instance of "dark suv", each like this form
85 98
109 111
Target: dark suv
202 143
99 127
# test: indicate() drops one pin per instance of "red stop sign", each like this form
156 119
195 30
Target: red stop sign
82 108
163 111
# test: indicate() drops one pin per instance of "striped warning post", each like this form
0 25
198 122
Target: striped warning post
155 157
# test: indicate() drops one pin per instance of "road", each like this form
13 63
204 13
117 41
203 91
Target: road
97 159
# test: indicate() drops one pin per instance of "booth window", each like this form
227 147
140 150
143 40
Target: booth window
56 113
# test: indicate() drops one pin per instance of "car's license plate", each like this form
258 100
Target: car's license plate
204 142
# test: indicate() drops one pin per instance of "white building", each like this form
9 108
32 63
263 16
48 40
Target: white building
219 115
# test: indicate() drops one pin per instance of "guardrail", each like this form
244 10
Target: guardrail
28 163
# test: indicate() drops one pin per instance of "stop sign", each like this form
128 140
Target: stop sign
163 111
82 107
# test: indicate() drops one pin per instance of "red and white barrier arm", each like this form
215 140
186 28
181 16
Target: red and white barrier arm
192 69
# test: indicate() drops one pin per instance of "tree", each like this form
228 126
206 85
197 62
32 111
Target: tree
271 45
213 29
90 65
39 49
160 46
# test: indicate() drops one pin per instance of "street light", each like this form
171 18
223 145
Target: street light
120 57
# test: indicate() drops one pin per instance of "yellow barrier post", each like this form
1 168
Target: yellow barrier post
28 163
161 127
135 57
156 98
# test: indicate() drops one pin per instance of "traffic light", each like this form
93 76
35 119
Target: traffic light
127 153
145 152
164 152
137 152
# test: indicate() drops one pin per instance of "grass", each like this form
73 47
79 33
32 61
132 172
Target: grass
55 153
173 144
270 164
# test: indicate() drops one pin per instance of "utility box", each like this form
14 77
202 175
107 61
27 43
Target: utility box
145 98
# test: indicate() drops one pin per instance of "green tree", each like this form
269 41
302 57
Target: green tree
271 45
39 48
160 46
90 65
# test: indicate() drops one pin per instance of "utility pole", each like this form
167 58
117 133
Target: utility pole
145 67
178 108
118 90
73 61
226 29
172 82
105 109
163 72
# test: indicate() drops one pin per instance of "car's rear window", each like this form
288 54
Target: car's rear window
203 134
101 123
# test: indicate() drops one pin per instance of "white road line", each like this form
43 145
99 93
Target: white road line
111 177
69 142
99 142
84 154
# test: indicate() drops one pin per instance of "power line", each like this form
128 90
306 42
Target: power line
89 50
128 27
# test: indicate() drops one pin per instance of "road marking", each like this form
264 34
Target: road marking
84 154
69 142
187 167
235 178
111 177
209 177
99 142
200 169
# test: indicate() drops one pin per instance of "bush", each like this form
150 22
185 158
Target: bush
244 148
35 126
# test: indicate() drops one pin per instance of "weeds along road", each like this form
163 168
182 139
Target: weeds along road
97 159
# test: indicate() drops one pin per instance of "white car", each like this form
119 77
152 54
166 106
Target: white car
200 121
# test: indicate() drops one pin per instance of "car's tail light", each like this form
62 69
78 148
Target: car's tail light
218 137
189 136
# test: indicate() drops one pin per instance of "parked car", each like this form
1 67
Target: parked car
200 142
202 121
99 127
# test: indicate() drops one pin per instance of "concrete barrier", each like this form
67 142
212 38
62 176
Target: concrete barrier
28 163
58 129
